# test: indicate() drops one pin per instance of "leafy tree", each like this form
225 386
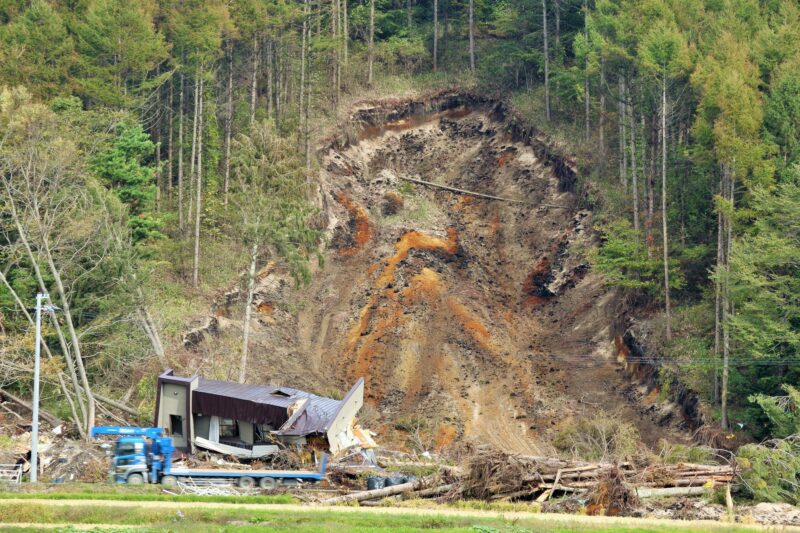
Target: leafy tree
783 411
123 168
36 50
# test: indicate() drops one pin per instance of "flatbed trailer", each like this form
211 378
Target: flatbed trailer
144 455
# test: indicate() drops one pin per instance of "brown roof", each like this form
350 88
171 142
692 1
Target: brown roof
264 404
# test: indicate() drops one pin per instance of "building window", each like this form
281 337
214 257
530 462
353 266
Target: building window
176 425
228 428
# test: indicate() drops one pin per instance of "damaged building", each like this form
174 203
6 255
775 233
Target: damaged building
251 421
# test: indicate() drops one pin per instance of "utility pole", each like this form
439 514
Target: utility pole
35 410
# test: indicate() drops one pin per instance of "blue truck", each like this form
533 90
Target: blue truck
144 455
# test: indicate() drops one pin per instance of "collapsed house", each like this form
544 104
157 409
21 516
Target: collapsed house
251 421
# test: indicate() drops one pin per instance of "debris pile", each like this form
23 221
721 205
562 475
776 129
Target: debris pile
609 487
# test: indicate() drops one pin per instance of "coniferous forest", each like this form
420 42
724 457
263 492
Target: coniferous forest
152 151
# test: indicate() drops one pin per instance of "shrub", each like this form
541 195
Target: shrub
769 472
601 437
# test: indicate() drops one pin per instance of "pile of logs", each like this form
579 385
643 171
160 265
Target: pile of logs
491 476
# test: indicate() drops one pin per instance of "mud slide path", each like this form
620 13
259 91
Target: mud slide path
470 318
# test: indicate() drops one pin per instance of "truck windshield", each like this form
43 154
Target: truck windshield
130 448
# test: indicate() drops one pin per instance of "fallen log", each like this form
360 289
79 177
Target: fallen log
433 491
378 493
659 492
463 191
51 419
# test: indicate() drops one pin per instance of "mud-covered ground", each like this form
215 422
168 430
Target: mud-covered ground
470 318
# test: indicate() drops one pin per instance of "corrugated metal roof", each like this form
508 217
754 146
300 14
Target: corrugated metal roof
264 404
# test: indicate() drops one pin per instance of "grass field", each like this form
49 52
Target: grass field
105 515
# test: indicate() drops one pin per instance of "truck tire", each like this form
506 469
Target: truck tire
268 483
135 479
169 481
246 482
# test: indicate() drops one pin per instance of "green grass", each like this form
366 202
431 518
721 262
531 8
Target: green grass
199 519
145 497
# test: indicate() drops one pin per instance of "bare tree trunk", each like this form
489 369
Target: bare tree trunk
409 13
345 34
228 123
546 62
718 288
371 58
634 179
586 67
248 310
170 138
76 346
194 149
665 235
302 126
198 191
435 34
623 144
602 119
648 178
308 104
180 158
159 174
23 236
472 35
79 423
270 82
558 23
254 80
727 306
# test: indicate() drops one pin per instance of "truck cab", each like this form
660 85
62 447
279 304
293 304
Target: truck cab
130 461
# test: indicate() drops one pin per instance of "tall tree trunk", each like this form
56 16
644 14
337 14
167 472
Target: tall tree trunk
345 34
371 52
634 178
602 119
472 35
718 288
558 23
198 191
308 102
586 102
248 310
409 13
435 34
649 146
170 138
302 126
34 261
180 158
193 160
76 345
228 123
727 306
665 235
623 144
254 80
546 62
79 423
270 80
157 139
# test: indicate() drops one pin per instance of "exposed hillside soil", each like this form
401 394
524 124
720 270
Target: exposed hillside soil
471 318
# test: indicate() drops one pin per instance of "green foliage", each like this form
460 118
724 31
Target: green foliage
783 411
624 261
769 472
122 168
270 197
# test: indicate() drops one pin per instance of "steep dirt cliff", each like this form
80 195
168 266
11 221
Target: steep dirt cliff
470 317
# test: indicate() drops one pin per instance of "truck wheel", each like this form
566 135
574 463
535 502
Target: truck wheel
169 481
135 479
268 483
247 482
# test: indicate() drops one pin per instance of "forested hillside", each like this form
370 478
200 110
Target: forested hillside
155 152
